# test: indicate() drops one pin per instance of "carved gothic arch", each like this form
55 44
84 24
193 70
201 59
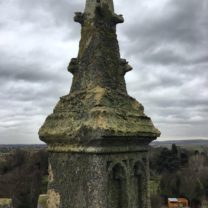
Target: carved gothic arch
117 186
139 184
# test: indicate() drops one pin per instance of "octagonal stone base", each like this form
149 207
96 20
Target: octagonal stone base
83 180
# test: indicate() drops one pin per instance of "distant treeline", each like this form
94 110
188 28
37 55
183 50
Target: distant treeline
193 142
8 148
177 172
181 173
23 176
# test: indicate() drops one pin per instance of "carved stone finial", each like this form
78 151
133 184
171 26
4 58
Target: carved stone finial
91 6
98 105
117 18
125 66
97 134
73 65
79 17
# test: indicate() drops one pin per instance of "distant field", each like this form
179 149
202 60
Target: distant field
200 145
154 143
12 147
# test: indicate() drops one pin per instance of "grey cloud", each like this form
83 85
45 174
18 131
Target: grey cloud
165 57
32 71
169 53
43 15
181 25
57 14
168 50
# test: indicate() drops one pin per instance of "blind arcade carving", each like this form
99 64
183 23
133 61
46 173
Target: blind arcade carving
127 184
97 124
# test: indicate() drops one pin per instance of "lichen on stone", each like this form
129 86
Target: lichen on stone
50 173
98 105
97 112
53 199
5 203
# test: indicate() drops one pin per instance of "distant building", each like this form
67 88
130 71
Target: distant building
177 203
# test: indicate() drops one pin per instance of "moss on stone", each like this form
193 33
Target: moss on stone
42 201
98 104
5 203
95 113
85 180
53 200
98 135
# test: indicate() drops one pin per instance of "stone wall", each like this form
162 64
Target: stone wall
42 201
101 181
5 203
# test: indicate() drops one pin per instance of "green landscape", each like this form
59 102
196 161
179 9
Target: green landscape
177 169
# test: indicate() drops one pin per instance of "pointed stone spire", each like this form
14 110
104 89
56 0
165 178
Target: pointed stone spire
98 135
92 5
98 105
98 62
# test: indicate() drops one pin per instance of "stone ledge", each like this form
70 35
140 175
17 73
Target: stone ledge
106 146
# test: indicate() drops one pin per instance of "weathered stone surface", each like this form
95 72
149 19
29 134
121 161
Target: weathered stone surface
5 203
91 6
42 201
98 135
100 181
98 104
90 115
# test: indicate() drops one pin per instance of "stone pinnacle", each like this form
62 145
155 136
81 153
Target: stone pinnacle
91 5
98 105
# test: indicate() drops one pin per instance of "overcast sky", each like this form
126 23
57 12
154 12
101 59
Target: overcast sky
166 42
